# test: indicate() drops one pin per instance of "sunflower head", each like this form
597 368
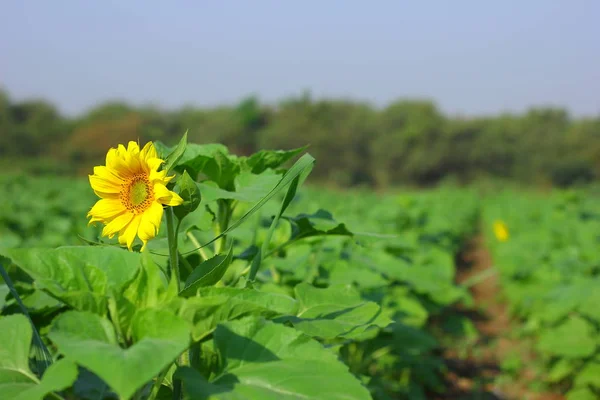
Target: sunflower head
501 231
132 193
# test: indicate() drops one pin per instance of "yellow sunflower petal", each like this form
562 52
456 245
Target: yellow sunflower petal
115 161
108 174
132 158
106 209
127 234
165 196
161 191
167 179
104 186
175 200
158 176
121 150
104 195
133 148
146 230
126 162
117 224
153 163
154 214
149 151
150 223
112 158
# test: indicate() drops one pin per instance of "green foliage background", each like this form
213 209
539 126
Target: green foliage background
407 142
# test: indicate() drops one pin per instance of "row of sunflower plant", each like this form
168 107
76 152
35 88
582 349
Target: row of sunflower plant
211 281
545 248
408 268
44 211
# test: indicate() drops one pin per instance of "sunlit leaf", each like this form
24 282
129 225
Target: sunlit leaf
207 273
336 312
89 340
80 276
269 361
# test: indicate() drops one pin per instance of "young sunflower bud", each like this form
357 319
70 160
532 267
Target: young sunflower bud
189 192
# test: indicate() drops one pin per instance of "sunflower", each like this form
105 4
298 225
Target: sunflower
501 231
132 193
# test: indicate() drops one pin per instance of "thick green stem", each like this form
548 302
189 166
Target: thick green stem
158 383
172 239
174 261
223 218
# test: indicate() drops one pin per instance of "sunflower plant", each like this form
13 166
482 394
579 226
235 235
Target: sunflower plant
166 304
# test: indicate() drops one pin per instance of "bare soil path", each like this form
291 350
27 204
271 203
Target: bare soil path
477 375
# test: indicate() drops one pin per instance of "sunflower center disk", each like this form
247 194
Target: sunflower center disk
137 194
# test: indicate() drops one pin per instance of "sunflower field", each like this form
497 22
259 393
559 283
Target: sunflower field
188 272
550 272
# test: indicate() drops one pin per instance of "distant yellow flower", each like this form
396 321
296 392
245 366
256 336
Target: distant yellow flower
501 231
132 193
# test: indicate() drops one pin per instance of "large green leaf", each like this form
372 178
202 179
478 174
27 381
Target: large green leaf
343 272
256 340
37 300
277 302
320 223
261 253
337 311
250 187
89 340
59 376
173 157
43 357
427 275
402 306
589 306
296 175
564 299
589 374
574 338
213 160
199 219
148 289
4 291
190 193
220 304
408 339
581 394
298 262
265 159
150 286
15 341
211 191
560 370
264 360
9 239
16 379
298 170
80 276
207 273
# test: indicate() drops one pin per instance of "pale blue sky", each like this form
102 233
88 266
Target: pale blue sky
470 57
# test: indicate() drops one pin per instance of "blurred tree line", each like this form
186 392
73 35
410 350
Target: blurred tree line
408 142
